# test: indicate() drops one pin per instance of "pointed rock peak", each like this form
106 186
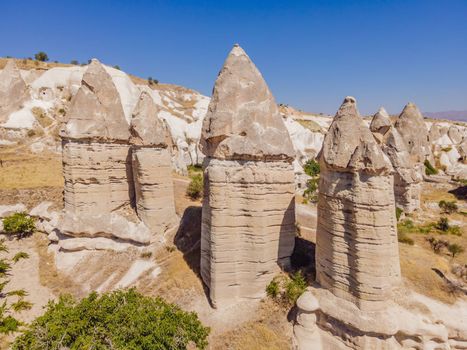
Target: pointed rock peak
411 111
243 120
380 123
349 146
96 110
147 127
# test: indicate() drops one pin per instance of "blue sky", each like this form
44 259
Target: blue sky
311 53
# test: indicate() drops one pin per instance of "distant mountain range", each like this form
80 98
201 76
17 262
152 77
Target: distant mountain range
451 115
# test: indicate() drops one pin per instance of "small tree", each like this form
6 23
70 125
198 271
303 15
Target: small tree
455 249
311 168
117 67
437 244
41 56
399 212
75 62
448 207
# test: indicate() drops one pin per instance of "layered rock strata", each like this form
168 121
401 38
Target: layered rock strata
407 181
248 206
13 90
357 256
151 164
97 168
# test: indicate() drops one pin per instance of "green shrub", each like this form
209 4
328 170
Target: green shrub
295 287
75 62
195 188
116 320
448 207
20 224
399 212
311 168
429 169
455 249
310 193
443 224
272 289
41 56
117 67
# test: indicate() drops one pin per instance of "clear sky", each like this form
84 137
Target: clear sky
311 53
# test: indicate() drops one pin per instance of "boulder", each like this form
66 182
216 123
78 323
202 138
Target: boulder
248 218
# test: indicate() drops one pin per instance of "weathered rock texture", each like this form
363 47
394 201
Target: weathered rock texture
13 90
407 181
97 162
411 126
248 207
357 256
152 170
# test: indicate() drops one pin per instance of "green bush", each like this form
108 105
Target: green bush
20 224
195 188
272 289
455 249
311 168
41 56
448 207
437 244
295 287
310 193
429 169
399 212
116 320
443 224
75 62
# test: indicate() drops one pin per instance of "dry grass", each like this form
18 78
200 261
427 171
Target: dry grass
268 330
27 64
22 169
310 125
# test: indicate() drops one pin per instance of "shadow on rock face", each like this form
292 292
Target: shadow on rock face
188 240
303 258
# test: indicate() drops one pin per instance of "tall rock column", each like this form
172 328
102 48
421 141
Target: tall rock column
357 256
248 219
97 162
152 168
407 181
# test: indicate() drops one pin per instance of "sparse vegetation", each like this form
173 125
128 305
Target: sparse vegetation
455 249
430 169
152 81
116 320
75 62
19 224
195 188
117 67
448 207
11 301
443 224
41 56
402 237
285 289
437 244
399 212
311 168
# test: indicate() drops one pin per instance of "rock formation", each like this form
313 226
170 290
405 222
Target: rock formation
407 181
248 206
411 126
152 170
357 256
13 90
97 164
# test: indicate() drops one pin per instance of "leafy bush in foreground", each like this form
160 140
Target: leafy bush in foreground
117 320
20 224
286 290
